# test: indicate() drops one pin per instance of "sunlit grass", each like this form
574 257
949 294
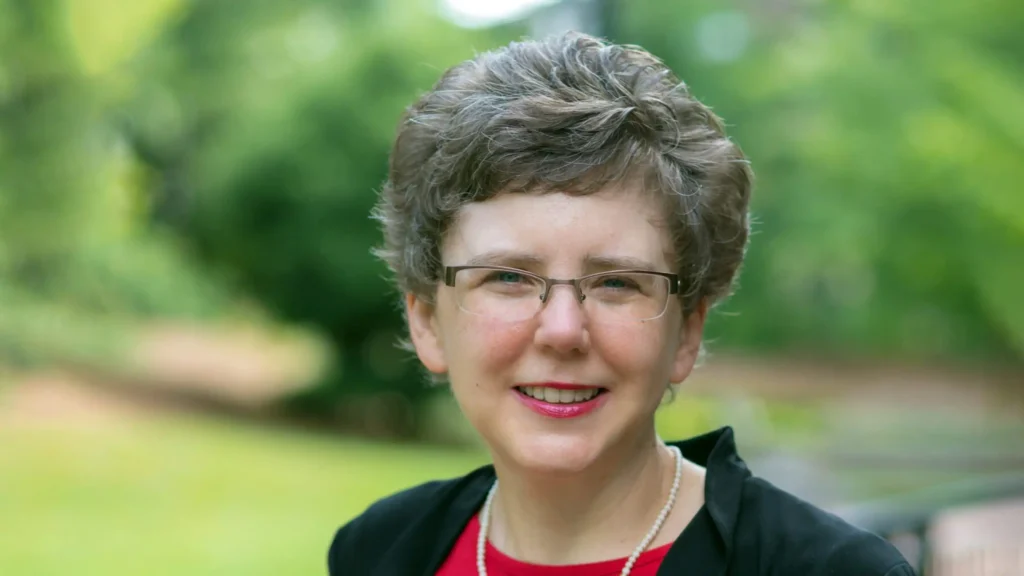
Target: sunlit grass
186 495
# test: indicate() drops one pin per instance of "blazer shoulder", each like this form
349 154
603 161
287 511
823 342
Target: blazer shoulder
403 506
368 534
396 523
801 538
865 554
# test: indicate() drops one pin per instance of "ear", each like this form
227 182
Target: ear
425 333
690 337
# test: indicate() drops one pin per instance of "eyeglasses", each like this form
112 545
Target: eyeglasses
511 294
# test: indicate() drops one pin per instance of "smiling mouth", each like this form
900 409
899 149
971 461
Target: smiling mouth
560 396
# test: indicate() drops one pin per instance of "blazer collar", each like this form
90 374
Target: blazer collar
726 473
428 540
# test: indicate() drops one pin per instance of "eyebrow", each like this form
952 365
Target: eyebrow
510 258
527 261
618 263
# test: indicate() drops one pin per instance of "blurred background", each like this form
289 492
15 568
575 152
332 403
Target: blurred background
197 363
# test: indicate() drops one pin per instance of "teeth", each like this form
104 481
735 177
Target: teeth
556 396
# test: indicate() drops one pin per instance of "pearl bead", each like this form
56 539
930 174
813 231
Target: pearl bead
485 521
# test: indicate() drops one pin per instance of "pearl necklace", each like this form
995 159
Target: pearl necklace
485 521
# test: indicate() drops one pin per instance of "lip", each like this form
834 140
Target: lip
562 411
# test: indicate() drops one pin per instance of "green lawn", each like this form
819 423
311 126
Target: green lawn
188 495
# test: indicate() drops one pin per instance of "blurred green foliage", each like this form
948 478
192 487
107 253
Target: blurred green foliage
79 259
886 135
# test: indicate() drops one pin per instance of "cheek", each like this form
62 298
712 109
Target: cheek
482 346
635 352
482 355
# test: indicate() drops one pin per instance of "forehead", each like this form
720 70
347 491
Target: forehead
560 231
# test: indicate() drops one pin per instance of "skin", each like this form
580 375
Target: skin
582 489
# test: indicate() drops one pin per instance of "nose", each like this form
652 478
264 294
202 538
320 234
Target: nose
563 322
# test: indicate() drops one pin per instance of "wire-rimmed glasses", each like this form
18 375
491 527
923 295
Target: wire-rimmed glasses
511 294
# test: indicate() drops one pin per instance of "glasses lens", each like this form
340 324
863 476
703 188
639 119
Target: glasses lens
618 297
499 293
609 298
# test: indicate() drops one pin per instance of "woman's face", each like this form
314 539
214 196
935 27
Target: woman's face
494 363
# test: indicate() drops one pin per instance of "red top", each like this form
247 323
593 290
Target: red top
462 561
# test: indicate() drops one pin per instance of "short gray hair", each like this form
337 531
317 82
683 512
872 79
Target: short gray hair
574 114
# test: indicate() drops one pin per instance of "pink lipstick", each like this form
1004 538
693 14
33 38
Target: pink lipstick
561 400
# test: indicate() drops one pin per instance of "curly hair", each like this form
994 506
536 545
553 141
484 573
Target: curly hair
573 114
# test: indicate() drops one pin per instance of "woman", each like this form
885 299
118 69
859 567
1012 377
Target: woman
560 216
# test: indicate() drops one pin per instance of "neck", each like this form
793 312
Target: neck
600 513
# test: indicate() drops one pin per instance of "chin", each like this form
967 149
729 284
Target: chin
553 453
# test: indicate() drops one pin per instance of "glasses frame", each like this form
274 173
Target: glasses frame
549 283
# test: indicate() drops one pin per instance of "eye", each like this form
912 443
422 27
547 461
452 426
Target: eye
617 283
505 277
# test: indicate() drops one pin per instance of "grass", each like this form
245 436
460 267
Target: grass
187 495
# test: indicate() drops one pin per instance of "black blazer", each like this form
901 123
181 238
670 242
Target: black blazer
747 527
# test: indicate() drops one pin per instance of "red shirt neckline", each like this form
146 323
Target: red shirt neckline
499 563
